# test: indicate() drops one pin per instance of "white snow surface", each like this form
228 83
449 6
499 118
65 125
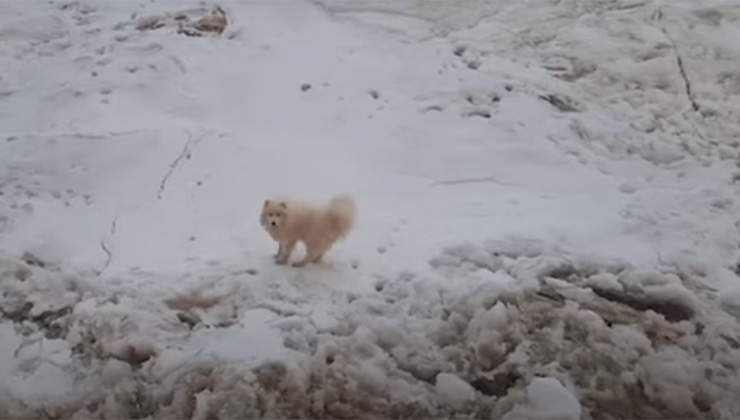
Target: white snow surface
547 195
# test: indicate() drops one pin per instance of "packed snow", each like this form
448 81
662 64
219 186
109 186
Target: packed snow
547 194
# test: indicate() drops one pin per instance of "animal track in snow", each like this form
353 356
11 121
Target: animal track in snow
481 104
390 242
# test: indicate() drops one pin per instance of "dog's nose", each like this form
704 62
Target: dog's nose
273 223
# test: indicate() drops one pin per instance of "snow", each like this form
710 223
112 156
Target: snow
547 197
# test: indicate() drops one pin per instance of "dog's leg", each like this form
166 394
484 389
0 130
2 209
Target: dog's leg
280 251
320 254
302 262
321 250
314 253
287 250
310 255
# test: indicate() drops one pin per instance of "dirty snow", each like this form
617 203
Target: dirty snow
547 197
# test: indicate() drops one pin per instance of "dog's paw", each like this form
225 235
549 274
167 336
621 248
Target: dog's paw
299 264
281 261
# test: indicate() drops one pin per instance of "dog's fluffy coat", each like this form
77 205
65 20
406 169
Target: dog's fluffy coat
289 221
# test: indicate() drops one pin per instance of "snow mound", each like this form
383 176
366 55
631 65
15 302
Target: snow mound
198 22
664 70
505 329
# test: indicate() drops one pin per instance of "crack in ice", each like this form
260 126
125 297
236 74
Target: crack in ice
104 246
688 88
183 154
472 181
682 71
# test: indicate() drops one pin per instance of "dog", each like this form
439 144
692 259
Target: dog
289 221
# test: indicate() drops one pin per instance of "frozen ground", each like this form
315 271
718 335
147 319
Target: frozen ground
547 194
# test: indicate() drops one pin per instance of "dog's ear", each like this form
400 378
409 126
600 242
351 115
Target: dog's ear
283 204
267 203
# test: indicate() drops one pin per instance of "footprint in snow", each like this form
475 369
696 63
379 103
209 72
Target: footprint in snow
396 230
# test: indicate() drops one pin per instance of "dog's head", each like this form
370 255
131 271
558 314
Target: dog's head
274 214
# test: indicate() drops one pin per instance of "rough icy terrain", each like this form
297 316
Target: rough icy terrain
547 195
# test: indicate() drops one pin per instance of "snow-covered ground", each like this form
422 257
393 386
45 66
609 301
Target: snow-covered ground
547 192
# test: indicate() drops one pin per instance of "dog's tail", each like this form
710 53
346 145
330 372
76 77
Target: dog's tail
342 212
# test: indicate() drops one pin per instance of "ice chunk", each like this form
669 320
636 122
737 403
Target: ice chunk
454 391
548 399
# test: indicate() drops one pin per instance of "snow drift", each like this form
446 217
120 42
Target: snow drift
508 327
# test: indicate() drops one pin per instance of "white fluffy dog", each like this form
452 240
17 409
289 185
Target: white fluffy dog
317 226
